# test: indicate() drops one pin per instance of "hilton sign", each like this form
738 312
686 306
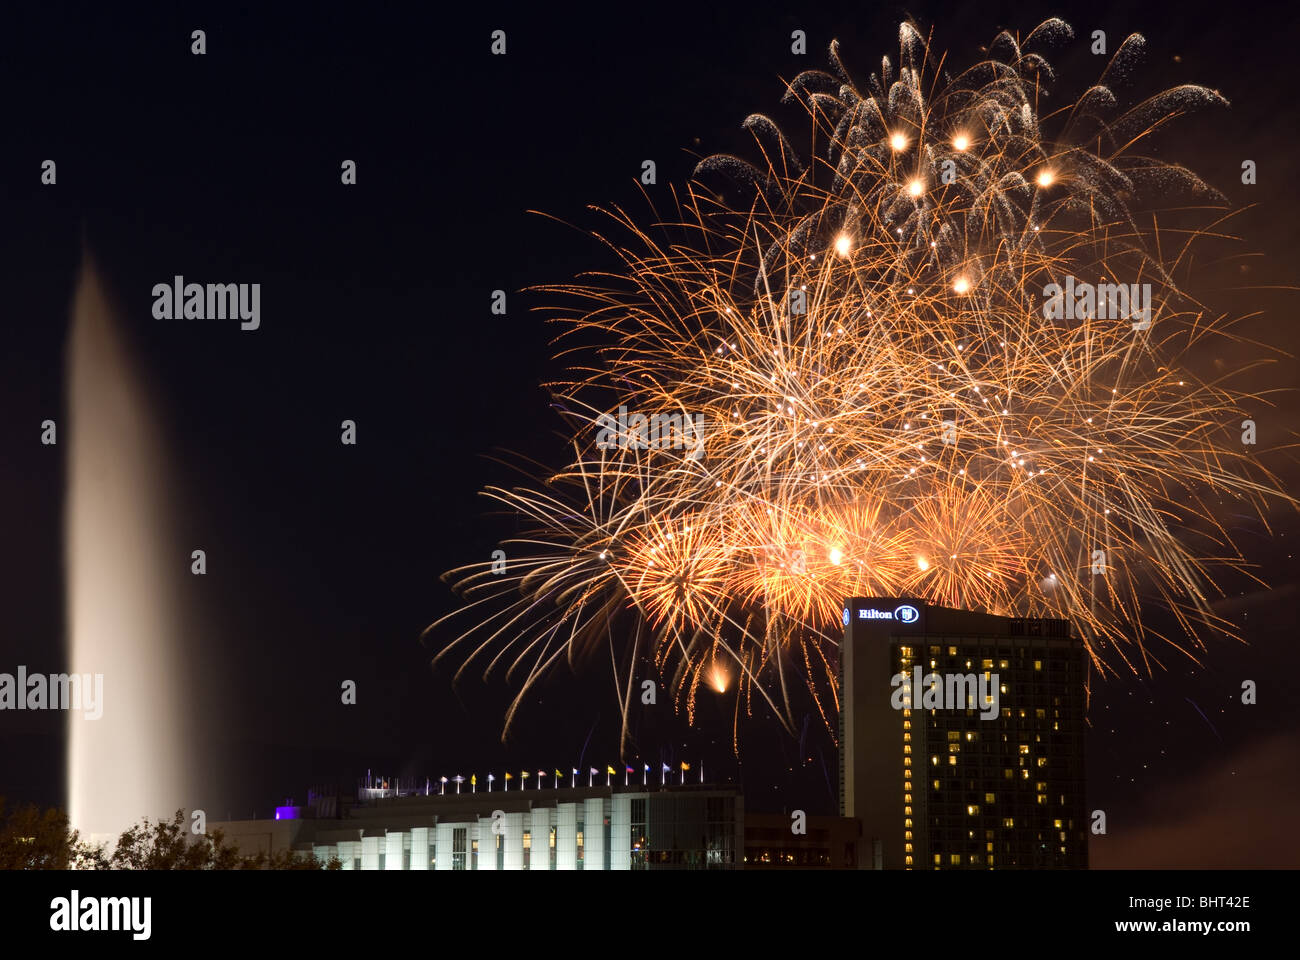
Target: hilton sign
903 613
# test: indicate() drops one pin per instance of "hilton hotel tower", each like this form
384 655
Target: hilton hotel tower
939 779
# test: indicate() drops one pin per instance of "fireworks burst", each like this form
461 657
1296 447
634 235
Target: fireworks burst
859 388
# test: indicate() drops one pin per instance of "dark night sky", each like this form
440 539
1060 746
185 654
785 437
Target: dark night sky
324 561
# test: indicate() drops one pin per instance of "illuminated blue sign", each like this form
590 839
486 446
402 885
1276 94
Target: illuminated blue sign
903 613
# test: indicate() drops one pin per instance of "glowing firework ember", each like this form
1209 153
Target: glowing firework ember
890 404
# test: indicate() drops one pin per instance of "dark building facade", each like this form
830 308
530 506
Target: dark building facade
961 738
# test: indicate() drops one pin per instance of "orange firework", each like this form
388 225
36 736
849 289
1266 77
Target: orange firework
944 358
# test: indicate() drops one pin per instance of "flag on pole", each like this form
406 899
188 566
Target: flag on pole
540 774
573 780
509 776
473 782
558 773
490 779
458 780
443 790
645 774
591 773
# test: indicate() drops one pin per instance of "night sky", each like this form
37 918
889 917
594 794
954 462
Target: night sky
324 561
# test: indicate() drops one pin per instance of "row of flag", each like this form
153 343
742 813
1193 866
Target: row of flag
592 773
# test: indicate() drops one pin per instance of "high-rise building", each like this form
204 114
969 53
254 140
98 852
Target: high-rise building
962 738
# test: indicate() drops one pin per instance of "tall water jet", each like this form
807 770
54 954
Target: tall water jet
122 573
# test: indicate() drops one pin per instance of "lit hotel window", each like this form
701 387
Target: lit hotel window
1002 664
952 761
1042 761
907 834
986 664
907 798
907 811
1009 821
907 848
1038 664
907 823
936 784
988 798
907 724
908 861
952 651
1024 748
955 859
934 761
937 860
905 651
972 809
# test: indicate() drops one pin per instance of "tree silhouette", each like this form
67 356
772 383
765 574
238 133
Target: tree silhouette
32 839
